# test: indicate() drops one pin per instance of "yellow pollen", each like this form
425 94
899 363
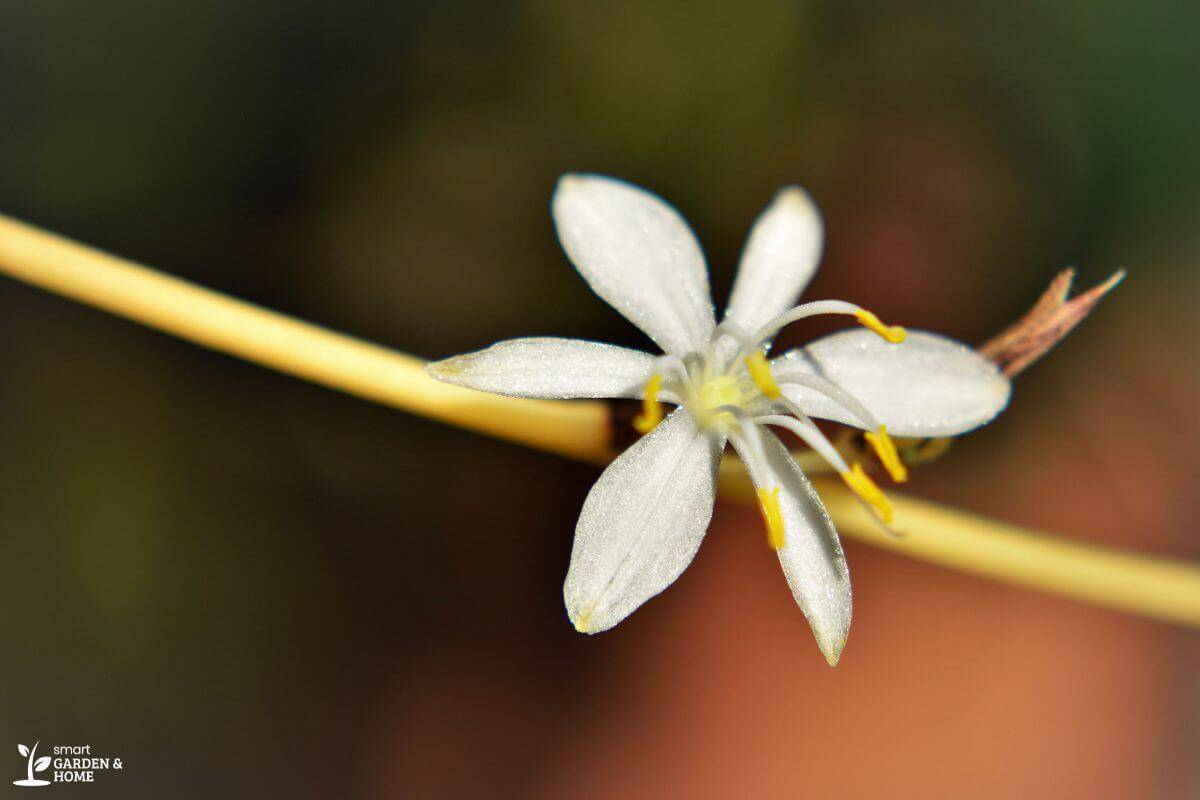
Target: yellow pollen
652 412
760 373
885 449
768 504
862 485
893 333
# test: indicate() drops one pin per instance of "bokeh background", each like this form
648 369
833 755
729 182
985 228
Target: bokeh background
246 586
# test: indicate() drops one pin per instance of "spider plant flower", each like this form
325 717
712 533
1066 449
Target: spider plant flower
643 521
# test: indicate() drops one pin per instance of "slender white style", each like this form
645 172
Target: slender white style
643 522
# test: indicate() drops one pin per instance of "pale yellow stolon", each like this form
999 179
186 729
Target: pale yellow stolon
1155 587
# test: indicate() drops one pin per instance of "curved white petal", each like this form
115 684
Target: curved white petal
642 523
637 253
811 556
928 385
549 368
778 261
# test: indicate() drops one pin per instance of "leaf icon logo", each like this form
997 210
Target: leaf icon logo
32 765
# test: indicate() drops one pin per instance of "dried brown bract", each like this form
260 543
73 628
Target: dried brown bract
1047 323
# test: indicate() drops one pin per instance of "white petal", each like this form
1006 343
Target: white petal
811 556
637 253
928 385
549 368
642 523
778 261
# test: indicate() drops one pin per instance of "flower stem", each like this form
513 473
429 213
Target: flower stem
1155 587
289 345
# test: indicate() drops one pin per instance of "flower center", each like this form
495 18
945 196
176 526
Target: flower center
739 395
716 397
721 391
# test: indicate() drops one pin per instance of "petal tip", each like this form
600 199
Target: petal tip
833 651
794 196
583 621
1114 280
799 203
571 181
567 186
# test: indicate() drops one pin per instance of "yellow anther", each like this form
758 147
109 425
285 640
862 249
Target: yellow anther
652 412
862 485
893 333
760 373
768 504
885 449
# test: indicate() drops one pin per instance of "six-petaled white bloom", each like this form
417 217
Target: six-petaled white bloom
643 521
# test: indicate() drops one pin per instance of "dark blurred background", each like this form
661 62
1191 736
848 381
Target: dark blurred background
247 586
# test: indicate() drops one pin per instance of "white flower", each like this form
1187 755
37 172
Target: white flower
643 521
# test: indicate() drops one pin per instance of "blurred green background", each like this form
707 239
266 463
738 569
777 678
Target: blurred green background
246 586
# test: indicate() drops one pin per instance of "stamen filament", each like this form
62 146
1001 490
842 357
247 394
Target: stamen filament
756 457
726 328
802 311
835 393
885 449
807 430
668 362
892 333
749 445
652 412
862 485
